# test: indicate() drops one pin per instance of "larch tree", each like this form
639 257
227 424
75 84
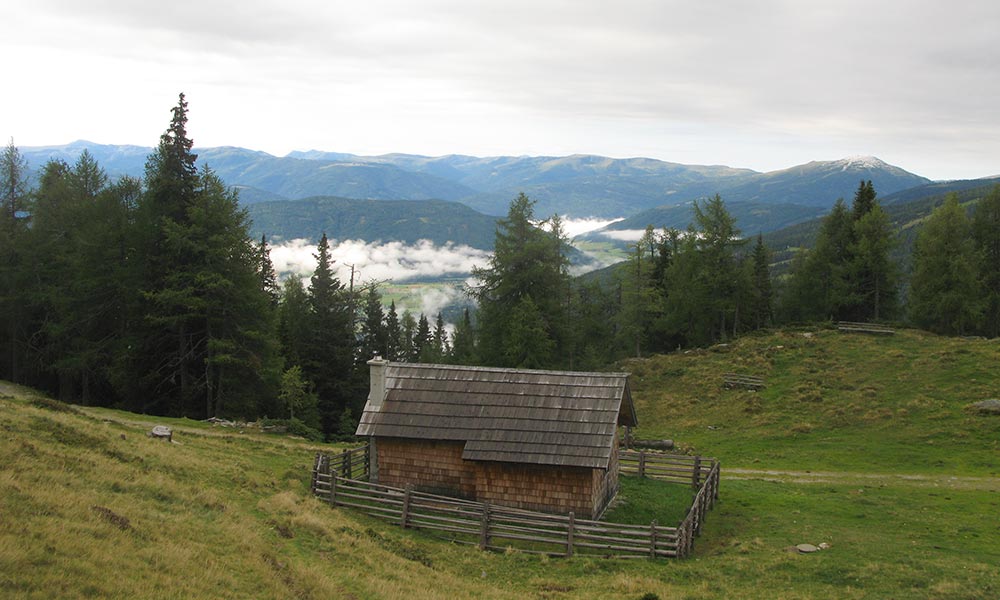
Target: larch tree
527 276
986 234
15 196
944 291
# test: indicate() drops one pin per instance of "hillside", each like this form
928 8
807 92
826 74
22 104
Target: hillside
906 209
751 218
864 443
371 220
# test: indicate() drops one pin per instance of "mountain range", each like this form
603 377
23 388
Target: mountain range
576 186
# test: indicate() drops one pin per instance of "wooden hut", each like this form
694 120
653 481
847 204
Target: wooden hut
538 440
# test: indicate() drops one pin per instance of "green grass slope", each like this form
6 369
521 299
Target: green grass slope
864 443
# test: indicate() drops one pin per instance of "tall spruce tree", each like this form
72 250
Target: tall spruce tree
761 308
293 321
864 199
463 341
329 361
265 272
373 329
873 273
393 334
821 286
201 345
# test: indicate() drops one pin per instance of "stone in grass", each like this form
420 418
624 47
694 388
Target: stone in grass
986 407
806 548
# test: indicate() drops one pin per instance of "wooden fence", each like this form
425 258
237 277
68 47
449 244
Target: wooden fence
872 328
751 382
497 527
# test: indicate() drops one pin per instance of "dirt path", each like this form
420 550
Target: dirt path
869 479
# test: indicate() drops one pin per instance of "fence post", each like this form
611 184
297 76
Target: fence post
406 506
652 539
316 463
715 486
696 475
345 463
484 527
333 489
368 459
642 463
569 533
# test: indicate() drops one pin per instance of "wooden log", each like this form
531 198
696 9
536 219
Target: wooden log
653 444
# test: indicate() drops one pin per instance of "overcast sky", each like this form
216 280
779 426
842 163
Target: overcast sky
762 84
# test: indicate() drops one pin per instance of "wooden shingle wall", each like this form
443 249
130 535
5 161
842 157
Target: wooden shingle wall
536 487
605 484
430 466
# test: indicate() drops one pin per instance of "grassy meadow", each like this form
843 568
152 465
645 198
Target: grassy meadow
864 443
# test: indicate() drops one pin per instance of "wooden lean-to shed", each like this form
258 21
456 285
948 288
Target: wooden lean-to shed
538 440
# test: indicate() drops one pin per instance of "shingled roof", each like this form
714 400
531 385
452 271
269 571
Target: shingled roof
508 415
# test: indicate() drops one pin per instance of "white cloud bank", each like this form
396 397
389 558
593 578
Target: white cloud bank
574 227
376 261
624 235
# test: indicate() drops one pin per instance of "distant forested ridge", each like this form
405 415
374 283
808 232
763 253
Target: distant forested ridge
373 220
577 186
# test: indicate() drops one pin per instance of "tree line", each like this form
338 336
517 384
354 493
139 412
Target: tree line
150 295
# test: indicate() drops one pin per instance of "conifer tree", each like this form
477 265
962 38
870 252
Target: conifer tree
439 339
873 274
393 334
761 311
944 292
373 327
293 321
330 356
463 342
422 350
864 200
527 276
986 234
265 272
14 195
642 299
201 345
407 335
821 286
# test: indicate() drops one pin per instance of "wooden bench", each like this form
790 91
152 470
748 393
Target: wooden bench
872 328
751 382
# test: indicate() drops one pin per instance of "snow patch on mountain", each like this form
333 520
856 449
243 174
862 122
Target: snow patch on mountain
861 163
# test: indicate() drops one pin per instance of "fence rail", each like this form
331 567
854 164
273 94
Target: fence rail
494 527
872 328
752 382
